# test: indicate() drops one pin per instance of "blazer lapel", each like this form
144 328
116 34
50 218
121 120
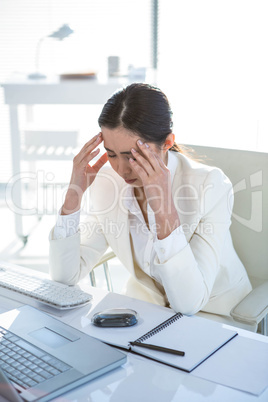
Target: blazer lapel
119 236
185 193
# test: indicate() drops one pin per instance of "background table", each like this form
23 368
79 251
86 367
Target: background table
22 91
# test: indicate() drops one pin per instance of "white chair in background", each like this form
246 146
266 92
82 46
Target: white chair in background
58 145
248 172
47 146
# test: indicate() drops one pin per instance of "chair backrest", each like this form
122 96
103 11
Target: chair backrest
49 144
248 172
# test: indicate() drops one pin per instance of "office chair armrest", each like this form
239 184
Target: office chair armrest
254 307
106 257
103 261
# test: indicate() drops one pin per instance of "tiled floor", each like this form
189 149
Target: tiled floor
35 253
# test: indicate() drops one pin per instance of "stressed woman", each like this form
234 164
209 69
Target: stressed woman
165 216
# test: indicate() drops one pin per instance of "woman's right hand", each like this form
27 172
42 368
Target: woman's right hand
83 174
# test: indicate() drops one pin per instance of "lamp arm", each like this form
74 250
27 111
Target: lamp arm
37 53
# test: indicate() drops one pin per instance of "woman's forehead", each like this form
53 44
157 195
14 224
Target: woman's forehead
118 139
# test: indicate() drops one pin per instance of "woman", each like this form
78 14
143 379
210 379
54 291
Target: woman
165 216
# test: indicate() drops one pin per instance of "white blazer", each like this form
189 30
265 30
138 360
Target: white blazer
205 275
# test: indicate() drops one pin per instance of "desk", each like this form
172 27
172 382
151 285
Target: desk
143 380
19 91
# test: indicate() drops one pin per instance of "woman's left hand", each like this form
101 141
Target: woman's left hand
155 177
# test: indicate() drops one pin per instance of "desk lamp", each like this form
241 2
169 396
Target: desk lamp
63 32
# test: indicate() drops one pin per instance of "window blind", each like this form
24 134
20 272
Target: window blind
102 28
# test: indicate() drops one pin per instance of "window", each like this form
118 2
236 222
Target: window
213 66
102 28
212 60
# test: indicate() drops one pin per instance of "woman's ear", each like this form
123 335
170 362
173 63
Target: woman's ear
169 142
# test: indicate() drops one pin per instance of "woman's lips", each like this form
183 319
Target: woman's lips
130 181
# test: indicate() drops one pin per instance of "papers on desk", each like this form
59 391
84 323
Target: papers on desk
78 76
240 363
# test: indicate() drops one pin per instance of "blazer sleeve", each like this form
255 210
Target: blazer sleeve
73 257
188 277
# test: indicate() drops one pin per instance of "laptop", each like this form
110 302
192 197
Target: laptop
43 358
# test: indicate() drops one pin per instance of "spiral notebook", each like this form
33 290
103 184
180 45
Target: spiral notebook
195 337
198 337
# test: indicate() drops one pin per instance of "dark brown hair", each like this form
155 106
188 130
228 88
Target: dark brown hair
142 109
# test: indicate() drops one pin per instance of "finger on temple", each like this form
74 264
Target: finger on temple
101 161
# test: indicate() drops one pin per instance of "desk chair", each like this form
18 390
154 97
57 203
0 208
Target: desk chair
49 144
104 262
45 145
59 145
248 172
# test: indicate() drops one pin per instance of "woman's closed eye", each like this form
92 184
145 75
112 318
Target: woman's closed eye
113 156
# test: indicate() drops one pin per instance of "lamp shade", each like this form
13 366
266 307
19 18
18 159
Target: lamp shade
63 32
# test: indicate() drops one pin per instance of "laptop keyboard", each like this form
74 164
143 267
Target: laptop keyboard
24 364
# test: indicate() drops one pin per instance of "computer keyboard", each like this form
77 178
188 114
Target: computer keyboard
24 364
45 291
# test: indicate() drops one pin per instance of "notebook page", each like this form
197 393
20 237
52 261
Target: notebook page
197 337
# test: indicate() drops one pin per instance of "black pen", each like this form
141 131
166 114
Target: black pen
159 348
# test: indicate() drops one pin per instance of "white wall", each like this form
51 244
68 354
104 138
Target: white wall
213 65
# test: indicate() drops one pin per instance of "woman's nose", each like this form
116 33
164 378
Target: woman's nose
123 168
